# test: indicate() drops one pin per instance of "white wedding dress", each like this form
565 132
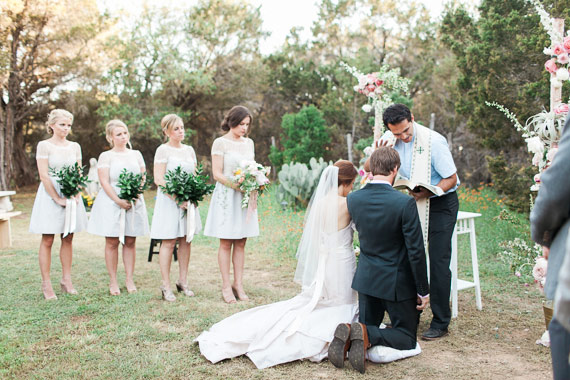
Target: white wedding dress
303 326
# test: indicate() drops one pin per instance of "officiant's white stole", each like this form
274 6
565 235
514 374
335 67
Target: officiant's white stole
421 172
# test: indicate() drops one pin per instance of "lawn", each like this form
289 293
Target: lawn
93 335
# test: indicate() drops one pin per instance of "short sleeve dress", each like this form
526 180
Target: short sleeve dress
168 221
226 218
47 216
105 214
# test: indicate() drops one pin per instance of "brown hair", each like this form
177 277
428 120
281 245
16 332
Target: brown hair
383 160
57 114
235 116
346 172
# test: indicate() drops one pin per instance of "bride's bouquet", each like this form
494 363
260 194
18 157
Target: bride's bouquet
132 185
71 181
251 178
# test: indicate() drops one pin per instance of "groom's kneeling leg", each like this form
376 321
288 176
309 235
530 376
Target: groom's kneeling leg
402 335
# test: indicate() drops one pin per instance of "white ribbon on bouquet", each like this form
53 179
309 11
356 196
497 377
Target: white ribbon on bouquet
190 221
70 222
122 221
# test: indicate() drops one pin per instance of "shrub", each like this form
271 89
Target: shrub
512 181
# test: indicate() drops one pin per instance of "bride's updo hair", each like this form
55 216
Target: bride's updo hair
346 172
235 116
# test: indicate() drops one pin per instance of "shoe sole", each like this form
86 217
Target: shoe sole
434 338
336 348
357 353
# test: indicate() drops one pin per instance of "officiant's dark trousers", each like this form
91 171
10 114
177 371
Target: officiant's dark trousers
404 318
442 217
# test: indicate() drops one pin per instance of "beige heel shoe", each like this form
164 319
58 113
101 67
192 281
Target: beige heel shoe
69 290
184 289
48 292
167 294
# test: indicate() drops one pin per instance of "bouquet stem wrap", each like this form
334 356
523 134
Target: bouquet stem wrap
122 220
252 205
70 222
190 221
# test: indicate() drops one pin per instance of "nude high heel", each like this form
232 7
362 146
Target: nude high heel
48 292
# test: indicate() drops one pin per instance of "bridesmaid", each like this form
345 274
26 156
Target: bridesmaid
105 217
48 213
227 220
168 221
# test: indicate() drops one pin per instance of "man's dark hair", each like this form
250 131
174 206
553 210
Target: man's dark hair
396 113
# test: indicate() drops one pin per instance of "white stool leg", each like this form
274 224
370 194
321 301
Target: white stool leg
454 308
475 264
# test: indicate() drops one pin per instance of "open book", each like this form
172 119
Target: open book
403 183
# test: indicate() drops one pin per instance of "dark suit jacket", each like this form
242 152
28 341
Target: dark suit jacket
550 217
392 262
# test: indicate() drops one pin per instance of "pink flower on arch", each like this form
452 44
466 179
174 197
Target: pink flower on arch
550 66
559 49
563 58
563 108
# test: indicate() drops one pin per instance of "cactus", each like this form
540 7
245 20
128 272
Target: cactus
297 181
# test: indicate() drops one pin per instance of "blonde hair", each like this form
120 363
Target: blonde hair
170 121
110 127
55 114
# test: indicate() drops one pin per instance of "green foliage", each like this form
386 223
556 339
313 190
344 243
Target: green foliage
71 179
513 181
132 185
187 187
297 182
304 136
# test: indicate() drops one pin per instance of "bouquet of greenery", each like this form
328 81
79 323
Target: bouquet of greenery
132 185
71 179
187 187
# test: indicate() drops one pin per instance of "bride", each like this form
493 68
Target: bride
303 326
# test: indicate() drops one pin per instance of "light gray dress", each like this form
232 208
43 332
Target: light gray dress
47 216
105 214
226 218
168 221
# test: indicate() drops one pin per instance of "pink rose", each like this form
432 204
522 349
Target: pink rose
537 178
567 43
550 66
361 173
559 49
371 88
563 58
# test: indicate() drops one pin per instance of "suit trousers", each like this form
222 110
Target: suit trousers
404 318
442 219
560 350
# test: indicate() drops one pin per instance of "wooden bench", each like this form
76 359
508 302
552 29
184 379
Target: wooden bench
6 229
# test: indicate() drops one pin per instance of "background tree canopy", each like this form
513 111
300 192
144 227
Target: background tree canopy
200 60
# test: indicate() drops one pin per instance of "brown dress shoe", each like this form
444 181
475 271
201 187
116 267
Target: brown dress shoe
358 345
339 345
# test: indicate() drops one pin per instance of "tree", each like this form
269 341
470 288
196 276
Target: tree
45 48
304 136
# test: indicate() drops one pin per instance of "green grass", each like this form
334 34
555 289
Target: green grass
93 335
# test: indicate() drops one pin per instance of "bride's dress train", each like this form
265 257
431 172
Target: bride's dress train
299 328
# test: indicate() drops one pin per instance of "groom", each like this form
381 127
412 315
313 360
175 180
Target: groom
391 275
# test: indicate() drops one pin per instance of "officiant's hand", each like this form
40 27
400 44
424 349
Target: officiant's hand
423 193
423 302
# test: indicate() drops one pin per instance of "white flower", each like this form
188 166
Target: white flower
368 150
362 80
557 83
548 51
367 108
562 74
356 88
535 145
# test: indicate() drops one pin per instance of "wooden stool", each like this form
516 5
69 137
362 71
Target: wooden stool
158 242
465 225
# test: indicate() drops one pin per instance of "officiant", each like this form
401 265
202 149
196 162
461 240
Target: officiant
425 157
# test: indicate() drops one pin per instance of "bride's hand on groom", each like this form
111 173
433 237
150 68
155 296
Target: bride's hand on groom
423 302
